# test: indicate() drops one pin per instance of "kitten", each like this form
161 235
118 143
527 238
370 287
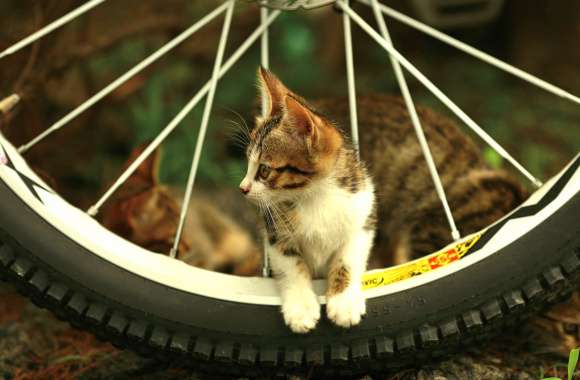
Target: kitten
318 202
319 208
146 213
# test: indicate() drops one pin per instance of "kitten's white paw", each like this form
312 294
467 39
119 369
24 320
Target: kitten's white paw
346 309
301 312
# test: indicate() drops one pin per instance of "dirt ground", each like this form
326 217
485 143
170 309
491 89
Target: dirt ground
34 345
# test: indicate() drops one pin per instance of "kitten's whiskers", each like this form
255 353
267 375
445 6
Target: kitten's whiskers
242 126
282 216
237 134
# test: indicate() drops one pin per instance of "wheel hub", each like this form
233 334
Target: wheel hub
294 4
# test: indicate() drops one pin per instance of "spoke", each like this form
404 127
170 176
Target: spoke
476 53
93 210
437 92
416 122
264 54
265 59
125 77
204 123
350 81
50 27
7 104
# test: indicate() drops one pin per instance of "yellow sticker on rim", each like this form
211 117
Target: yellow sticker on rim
446 256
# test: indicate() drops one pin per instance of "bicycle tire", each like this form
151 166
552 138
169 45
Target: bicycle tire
220 336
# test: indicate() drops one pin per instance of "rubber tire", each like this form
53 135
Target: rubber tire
216 336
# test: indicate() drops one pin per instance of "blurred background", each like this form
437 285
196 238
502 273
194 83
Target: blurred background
60 71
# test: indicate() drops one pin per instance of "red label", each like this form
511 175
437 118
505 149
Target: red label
443 259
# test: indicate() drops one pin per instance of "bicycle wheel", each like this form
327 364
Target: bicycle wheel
64 260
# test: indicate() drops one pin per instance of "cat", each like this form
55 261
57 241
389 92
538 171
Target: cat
147 212
319 207
318 198
412 221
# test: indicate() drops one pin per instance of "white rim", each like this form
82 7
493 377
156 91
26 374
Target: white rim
85 231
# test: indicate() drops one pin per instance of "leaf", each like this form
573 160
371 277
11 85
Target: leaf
492 158
573 362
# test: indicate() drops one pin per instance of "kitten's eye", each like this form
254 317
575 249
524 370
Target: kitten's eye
264 171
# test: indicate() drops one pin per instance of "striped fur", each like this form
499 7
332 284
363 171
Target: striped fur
411 219
318 203
318 197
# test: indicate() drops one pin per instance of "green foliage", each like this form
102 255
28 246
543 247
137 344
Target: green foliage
295 45
164 95
537 158
156 106
492 158
297 41
572 363
499 104
120 59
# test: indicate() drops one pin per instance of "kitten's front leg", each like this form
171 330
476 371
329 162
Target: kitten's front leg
300 307
345 303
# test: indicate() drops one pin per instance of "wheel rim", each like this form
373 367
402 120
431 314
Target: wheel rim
84 230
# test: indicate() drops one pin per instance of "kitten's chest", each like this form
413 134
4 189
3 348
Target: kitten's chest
322 225
326 222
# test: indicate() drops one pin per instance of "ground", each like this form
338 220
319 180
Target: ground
34 345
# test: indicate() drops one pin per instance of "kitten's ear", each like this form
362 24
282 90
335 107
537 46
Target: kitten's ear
301 118
273 90
148 171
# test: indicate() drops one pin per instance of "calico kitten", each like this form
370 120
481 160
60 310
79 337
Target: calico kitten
146 213
318 198
319 208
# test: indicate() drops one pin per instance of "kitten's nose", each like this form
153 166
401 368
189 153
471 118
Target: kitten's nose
244 188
